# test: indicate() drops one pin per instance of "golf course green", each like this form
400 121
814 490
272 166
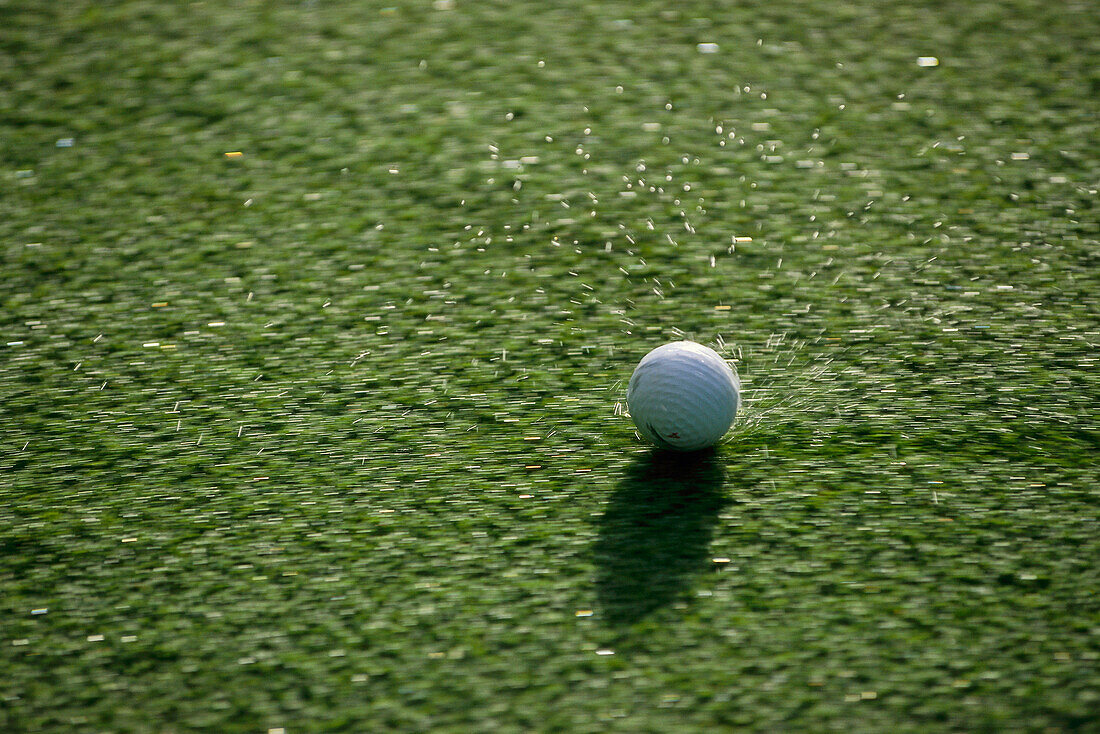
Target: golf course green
316 320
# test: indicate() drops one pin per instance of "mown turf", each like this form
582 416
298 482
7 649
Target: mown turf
328 435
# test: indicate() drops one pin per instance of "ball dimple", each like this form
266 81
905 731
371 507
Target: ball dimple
683 396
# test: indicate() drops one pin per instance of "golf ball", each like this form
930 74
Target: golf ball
683 396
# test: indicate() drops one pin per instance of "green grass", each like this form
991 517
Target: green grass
328 436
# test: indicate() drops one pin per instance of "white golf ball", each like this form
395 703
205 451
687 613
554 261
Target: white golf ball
683 396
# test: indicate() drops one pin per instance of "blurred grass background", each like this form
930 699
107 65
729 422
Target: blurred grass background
315 319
